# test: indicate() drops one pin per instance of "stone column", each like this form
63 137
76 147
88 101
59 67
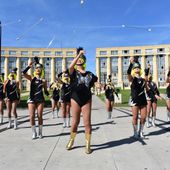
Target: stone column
120 72
108 66
155 69
6 71
63 64
98 70
167 64
143 61
53 70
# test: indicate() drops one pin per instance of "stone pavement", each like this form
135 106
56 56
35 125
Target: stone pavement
112 144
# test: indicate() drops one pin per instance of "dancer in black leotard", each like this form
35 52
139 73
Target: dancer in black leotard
55 86
2 96
152 96
36 99
12 90
138 98
109 93
81 98
168 96
64 79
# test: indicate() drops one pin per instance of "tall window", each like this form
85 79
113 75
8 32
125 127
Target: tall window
114 66
2 64
24 64
103 66
47 68
25 53
125 67
149 61
161 69
114 52
2 52
68 61
58 65
12 63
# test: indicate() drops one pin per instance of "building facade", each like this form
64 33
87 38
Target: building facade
55 60
115 61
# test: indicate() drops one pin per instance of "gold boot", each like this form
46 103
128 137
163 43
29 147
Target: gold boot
71 141
88 140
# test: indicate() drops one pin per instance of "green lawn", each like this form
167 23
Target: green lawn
125 98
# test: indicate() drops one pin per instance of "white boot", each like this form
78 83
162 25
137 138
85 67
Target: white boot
153 121
68 122
109 115
135 129
147 122
57 111
15 123
52 115
40 132
64 122
1 119
168 116
141 131
34 133
9 124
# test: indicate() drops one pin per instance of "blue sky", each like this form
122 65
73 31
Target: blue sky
95 23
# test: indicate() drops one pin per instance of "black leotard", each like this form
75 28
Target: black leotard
36 91
153 90
12 91
56 91
138 97
65 93
109 92
81 84
168 91
1 90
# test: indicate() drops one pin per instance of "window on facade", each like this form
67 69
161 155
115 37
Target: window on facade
137 51
47 68
125 67
103 52
103 66
114 72
11 63
35 53
58 65
114 52
58 53
161 50
47 53
12 52
68 53
161 69
68 61
2 64
149 51
24 52
2 52
125 52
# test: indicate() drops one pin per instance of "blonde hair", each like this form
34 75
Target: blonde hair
15 76
133 73
42 73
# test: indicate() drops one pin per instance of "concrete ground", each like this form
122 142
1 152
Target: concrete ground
112 144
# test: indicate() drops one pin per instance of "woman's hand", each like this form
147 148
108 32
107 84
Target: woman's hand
132 60
31 64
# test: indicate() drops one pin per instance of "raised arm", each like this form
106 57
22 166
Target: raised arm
24 73
130 78
73 63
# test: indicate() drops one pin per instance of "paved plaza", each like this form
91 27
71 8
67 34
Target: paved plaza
112 144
